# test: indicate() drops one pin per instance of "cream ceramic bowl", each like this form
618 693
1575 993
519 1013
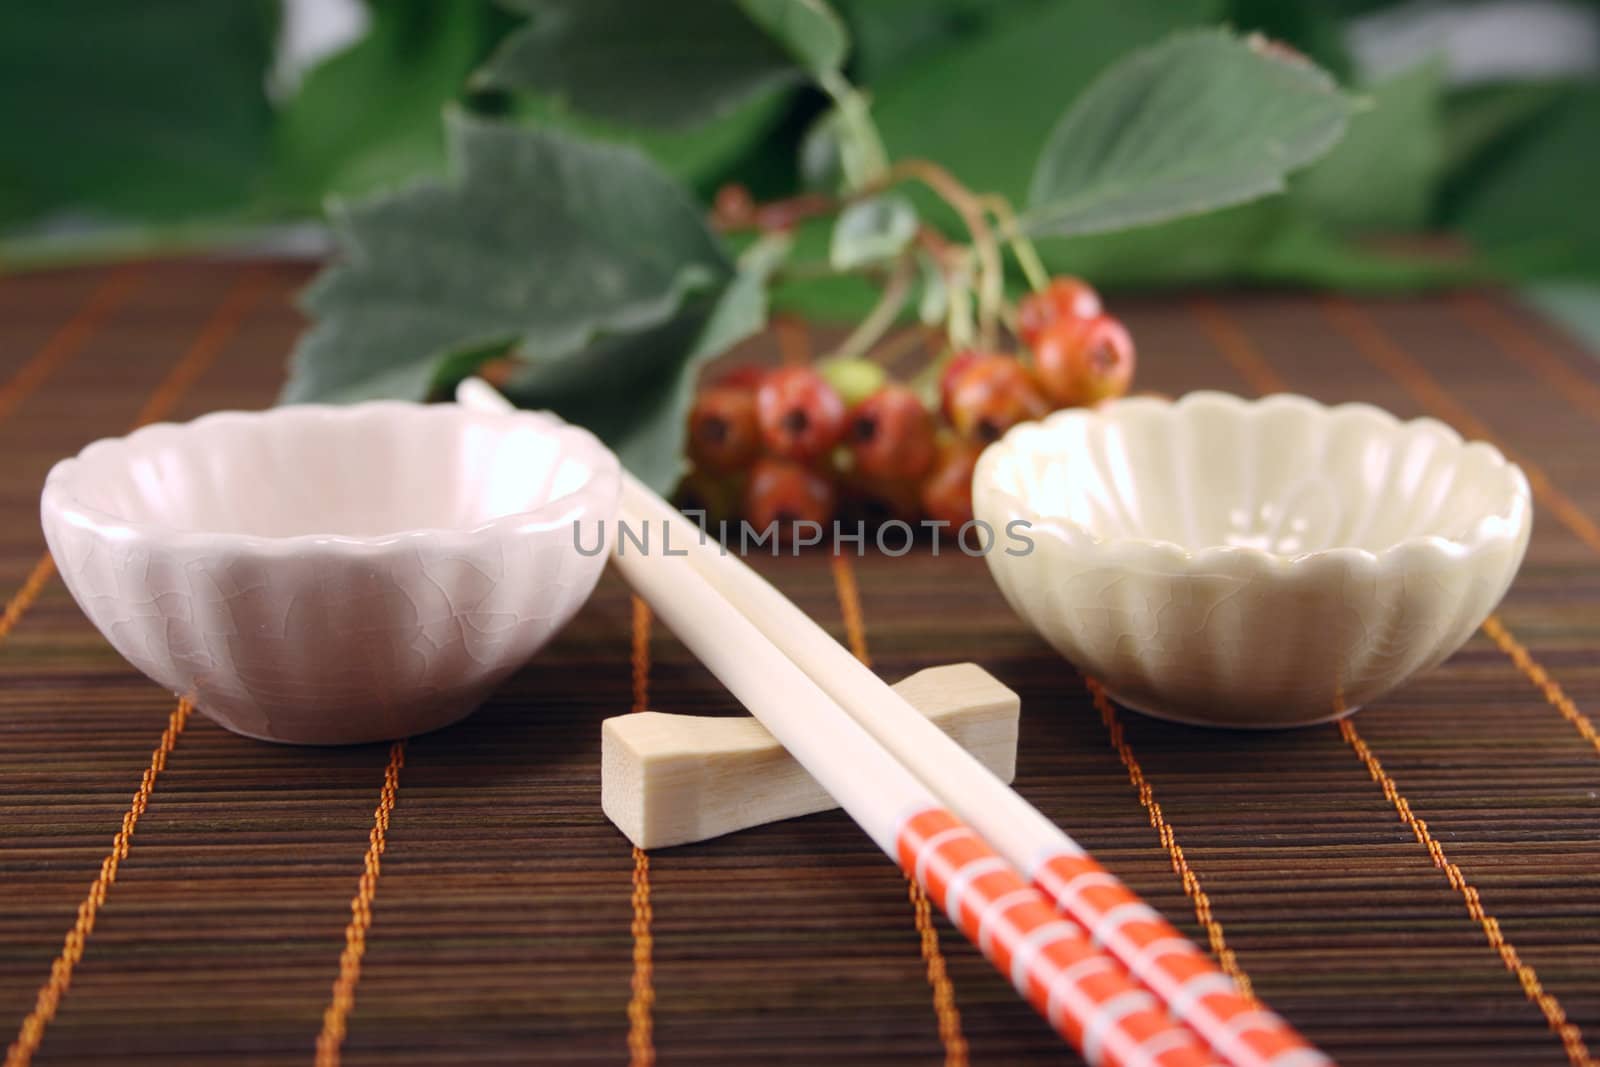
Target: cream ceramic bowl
1252 564
331 575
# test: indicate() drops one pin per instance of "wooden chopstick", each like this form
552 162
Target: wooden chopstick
1083 993
833 683
1171 966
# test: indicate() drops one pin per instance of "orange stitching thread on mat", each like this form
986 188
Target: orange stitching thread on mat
1523 347
72 336
944 994
204 349
1228 338
37 579
1541 679
200 354
62 346
641 1005
1388 357
337 1014
1582 392
1169 841
855 627
55 987
1239 351
1555 1015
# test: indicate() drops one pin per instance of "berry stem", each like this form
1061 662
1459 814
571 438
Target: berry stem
1008 315
1027 256
925 383
786 214
991 276
883 314
891 350
958 313
855 119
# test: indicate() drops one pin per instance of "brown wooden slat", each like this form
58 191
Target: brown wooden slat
956 1052
501 928
1383 351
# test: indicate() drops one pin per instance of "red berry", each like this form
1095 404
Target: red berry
1085 362
1062 300
786 493
947 490
991 395
890 434
501 372
1056 355
734 208
723 435
801 416
952 369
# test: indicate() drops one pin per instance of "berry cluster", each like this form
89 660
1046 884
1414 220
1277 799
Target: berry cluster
788 445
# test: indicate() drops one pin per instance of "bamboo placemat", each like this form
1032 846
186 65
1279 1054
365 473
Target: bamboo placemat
1419 886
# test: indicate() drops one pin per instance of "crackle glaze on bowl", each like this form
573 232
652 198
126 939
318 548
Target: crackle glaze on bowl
331 575
1252 564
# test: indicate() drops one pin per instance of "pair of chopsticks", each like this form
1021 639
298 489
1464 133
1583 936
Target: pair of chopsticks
1107 972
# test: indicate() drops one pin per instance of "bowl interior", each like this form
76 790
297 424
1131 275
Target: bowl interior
1284 475
362 471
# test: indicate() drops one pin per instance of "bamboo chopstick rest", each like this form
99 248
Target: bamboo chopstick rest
673 779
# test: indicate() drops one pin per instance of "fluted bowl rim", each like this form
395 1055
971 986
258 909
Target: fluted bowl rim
1509 521
63 501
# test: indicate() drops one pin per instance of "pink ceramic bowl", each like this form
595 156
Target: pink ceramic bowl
330 575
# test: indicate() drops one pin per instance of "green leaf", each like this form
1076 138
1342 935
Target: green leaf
50 246
1481 119
368 116
1202 121
872 231
154 109
1001 81
821 157
1384 173
1267 241
647 64
823 295
1314 27
809 30
537 238
888 35
700 157
1302 252
983 105
1533 214
635 390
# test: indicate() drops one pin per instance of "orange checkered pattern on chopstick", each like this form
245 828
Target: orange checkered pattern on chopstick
1171 965
1083 994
